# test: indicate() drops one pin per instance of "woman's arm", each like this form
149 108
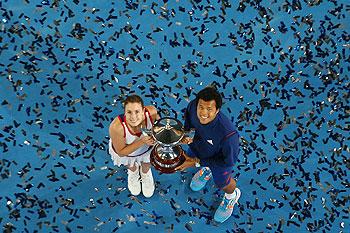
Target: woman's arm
116 132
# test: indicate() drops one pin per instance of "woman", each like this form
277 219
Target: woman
129 147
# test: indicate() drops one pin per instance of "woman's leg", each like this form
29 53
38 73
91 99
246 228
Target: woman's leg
145 167
132 168
134 184
147 181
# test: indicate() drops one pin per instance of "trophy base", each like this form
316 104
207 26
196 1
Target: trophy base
163 164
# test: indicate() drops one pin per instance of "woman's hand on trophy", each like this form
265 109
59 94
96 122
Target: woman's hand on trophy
148 140
186 140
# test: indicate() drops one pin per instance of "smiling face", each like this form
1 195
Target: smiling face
134 114
206 111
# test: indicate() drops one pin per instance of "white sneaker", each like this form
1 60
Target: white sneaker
134 184
147 183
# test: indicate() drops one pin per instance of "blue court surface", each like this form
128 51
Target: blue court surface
283 69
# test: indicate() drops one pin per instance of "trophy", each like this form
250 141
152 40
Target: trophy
166 154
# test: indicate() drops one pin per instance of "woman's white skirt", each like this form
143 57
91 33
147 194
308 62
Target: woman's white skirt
128 161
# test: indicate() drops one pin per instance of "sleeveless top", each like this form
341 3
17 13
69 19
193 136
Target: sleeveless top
131 137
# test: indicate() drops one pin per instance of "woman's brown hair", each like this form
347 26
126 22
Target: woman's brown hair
133 99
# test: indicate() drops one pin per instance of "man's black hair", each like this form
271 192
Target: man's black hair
208 94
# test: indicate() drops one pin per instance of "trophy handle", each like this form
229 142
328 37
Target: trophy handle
146 132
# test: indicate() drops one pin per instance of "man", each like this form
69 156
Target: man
215 147
129 147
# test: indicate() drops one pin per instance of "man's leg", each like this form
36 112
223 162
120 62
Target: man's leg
230 188
222 178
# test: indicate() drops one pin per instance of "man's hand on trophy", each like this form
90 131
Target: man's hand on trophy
148 140
189 162
186 140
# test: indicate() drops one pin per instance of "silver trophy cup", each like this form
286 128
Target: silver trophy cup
167 154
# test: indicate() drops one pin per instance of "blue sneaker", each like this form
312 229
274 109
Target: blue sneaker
225 208
200 179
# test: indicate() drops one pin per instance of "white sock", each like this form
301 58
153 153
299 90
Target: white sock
230 195
207 169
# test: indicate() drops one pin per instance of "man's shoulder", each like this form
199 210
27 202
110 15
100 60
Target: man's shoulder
225 124
192 105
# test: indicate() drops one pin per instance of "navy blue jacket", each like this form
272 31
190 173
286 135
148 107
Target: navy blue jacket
216 143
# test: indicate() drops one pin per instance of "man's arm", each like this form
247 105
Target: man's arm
189 162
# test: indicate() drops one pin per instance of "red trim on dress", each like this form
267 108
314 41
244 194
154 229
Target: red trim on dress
121 121
150 117
144 113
